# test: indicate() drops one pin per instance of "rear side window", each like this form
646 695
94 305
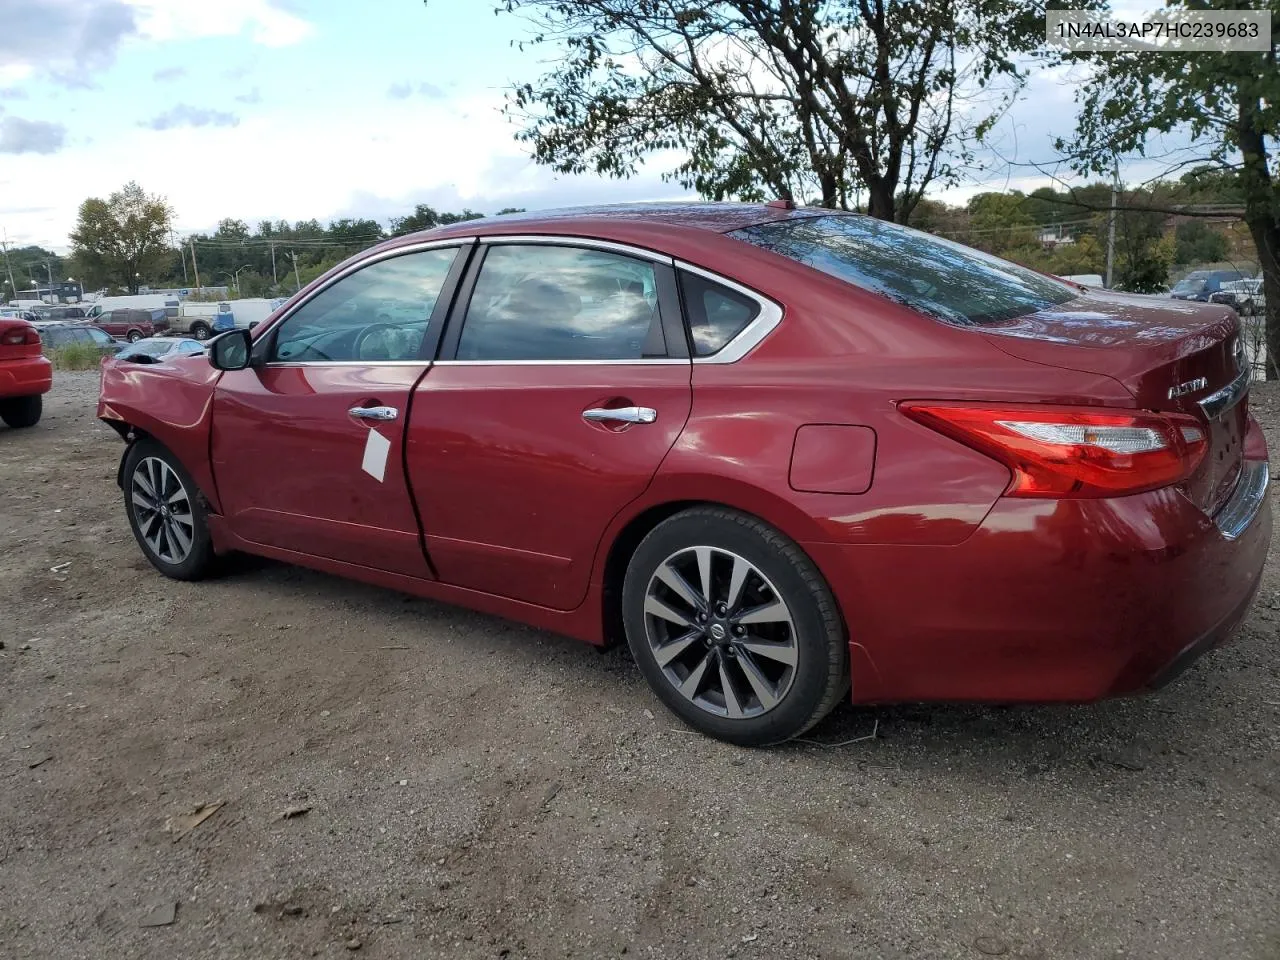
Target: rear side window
716 313
944 280
541 302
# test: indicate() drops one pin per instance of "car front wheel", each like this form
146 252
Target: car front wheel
22 411
734 627
166 512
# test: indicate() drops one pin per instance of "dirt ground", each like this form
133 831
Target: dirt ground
479 789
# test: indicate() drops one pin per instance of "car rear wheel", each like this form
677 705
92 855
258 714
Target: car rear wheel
201 331
166 512
22 411
134 336
734 627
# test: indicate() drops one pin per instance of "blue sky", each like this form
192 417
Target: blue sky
269 109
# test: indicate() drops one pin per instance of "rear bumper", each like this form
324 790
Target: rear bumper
26 377
1053 600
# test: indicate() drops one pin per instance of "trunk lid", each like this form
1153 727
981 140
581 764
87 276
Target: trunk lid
11 329
1173 356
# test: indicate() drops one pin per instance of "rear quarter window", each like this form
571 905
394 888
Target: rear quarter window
716 313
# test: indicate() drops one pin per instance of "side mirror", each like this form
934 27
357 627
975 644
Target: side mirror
230 351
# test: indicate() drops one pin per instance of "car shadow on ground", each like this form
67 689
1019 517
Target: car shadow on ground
1183 724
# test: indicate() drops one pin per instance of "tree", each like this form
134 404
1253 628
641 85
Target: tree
998 222
1228 103
1196 243
121 240
796 99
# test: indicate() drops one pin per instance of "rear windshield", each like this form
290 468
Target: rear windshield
945 280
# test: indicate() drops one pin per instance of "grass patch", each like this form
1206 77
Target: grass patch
75 356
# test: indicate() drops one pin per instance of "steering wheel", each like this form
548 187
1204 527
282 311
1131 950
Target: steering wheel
386 344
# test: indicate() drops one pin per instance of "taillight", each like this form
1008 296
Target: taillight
1073 453
20 336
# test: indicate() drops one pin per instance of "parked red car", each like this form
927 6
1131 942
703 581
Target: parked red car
25 374
132 324
786 454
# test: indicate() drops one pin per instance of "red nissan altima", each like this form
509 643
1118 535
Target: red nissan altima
788 455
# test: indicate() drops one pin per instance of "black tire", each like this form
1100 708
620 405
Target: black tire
815 683
201 331
133 336
20 412
189 516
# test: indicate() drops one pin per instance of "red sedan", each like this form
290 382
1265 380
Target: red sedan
785 454
25 374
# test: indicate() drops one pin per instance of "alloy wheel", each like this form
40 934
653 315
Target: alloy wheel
721 632
162 507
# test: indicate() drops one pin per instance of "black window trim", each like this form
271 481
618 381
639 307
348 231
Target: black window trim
265 335
669 307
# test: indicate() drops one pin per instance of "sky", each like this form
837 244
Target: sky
300 109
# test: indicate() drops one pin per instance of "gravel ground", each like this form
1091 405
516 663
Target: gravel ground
479 789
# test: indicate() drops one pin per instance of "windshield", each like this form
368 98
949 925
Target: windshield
1191 283
148 348
939 278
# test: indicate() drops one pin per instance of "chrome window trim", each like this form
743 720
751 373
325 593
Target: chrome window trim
648 361
753 333
1219 402
424 363
264 329
1246 500
548 240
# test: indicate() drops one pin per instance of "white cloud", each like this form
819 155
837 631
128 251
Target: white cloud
299 164
267 22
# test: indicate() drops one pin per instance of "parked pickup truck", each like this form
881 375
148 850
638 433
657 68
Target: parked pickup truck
201 320
132 324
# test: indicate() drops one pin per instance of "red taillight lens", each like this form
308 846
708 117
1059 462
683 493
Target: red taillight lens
20 336
1073 453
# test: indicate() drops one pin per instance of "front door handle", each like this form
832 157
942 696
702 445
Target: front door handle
374 413
621 414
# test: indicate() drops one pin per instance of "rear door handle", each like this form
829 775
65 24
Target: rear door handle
374 413
621 414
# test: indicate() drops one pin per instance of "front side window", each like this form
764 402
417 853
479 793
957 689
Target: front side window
378 313
101 337
944 280
536 302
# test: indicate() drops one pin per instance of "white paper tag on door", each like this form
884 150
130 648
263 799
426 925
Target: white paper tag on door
376 449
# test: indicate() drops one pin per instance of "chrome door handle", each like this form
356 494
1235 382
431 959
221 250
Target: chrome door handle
374 413
621 414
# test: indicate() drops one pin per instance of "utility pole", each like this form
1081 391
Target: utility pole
8 266
296 276
274 279
174 240
195 266
1111 226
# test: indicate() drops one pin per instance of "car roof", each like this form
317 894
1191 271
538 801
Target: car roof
643 223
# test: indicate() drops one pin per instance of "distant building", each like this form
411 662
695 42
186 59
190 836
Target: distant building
62 291
1055 237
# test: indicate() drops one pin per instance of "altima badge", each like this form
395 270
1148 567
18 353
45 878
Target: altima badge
1191 386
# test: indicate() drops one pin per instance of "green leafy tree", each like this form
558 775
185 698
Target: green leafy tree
800 99
122 240
1229 103
998 222
1196 243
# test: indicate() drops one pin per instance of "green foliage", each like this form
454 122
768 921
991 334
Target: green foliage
121 239
31 267
75 356
1196 243
803 99
427 218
